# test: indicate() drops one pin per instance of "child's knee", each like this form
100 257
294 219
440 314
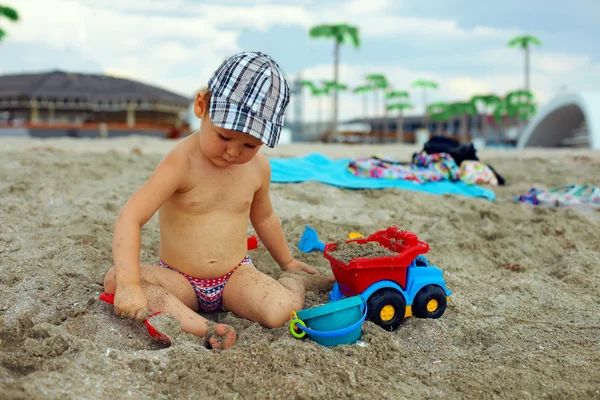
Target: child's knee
110 283
279 316
158 297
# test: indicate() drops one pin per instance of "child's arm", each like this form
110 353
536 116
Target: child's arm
167 178
267 225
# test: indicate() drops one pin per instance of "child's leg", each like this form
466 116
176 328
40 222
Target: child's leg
169 292
256 296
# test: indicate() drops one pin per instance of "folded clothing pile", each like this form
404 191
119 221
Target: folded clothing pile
473 171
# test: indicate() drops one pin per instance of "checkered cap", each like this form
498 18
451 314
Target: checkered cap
250 94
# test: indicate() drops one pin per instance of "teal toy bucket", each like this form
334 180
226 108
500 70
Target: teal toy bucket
332 324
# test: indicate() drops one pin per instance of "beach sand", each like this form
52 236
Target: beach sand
523 319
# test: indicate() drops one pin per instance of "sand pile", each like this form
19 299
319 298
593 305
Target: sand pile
523 321
345 252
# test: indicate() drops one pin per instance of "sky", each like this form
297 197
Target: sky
176 44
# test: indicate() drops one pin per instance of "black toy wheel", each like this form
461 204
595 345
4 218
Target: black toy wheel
430 302
386 308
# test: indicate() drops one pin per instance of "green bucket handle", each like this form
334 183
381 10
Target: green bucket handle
297 323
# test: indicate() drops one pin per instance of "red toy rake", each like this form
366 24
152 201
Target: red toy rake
155 333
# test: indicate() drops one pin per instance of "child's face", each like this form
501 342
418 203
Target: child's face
225 147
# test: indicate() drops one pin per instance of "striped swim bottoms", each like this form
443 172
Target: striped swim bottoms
209 291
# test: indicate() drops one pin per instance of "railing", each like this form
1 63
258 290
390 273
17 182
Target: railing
90 126
580 138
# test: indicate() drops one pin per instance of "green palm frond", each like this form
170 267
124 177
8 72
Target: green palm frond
307 83
517 96
333 85
320 91
353 34
363 89
438 107
342 33
2 34
524 41
378 80
9 13
425 84
502 109
399 106
392 94
522 110
321 31
477 98
375 77
441 116
485 99
459 108
381 84
492 99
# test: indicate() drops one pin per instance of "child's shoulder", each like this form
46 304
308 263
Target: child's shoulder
179 156
261 162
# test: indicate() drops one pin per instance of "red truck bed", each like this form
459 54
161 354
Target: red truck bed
360 273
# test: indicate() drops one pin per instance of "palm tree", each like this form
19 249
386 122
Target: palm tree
520 103
9 13
462 109
526 111
424 84
394 94
520 96
378 81
318 93
483 103
334 87
363 90
391 94
305 83
439 112
400 106
341 33
524 42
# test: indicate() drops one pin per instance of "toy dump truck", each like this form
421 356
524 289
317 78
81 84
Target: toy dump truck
394 287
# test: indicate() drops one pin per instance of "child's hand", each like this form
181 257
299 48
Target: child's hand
296 265
131 302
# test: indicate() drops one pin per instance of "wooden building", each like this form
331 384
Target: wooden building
61 103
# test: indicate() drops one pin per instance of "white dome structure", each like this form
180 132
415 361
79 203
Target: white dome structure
571 119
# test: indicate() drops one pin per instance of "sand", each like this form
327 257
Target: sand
345 252
522 323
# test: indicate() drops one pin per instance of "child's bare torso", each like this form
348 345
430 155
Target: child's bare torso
203 228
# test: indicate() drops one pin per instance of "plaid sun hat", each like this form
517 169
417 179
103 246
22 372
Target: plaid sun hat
250 94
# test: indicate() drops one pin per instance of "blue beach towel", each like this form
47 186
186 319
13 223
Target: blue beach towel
317 167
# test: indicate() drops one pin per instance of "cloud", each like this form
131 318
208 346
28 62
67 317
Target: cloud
128 42
362 7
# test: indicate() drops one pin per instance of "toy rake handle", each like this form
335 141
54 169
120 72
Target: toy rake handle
107 297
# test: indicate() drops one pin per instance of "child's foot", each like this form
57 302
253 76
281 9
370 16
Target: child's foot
220 336
312 283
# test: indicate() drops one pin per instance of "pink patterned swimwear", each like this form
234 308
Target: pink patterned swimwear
209 291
